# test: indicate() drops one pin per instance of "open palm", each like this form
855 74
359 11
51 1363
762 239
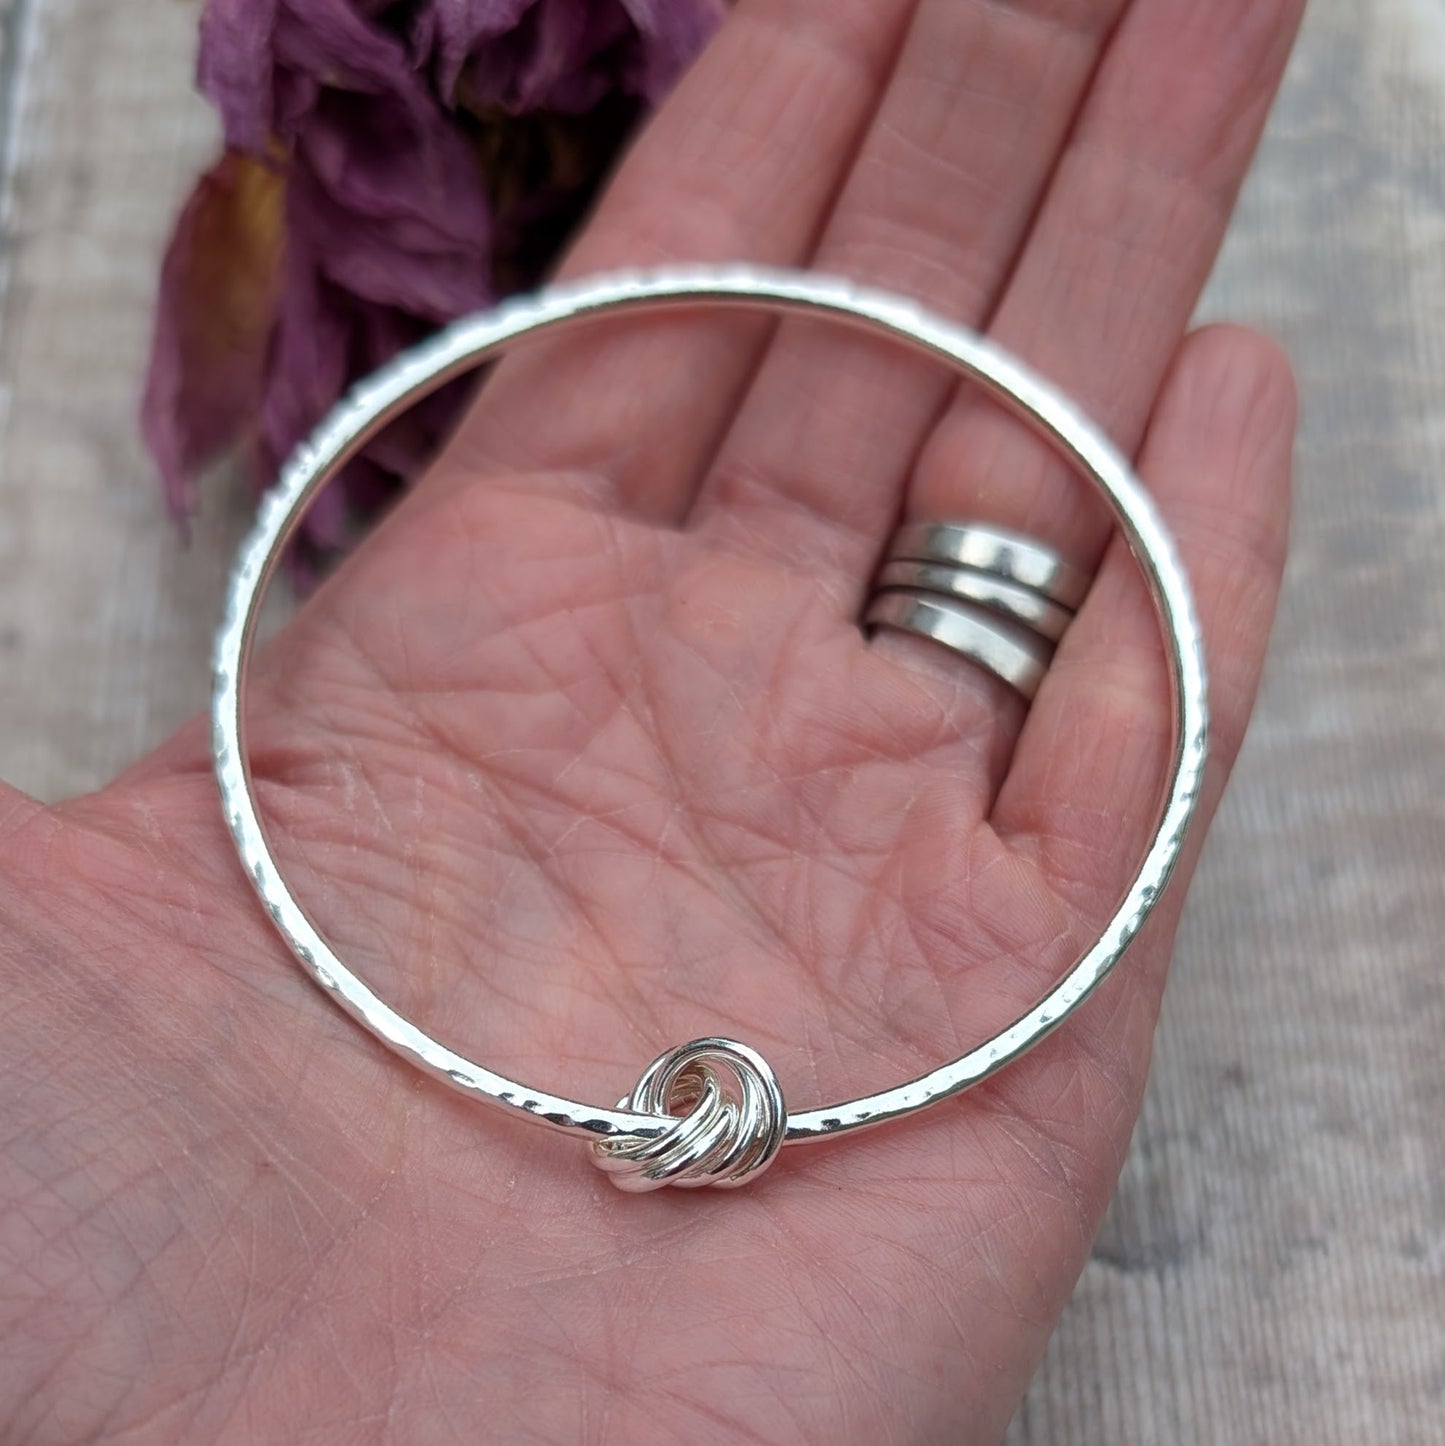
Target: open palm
583 755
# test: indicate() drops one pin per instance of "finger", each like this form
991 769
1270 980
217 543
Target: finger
15 808
1105 285
1049 1133
1085 781
742 162
1090 764
1115 263
936 206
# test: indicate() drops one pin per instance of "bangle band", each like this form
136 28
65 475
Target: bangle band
711 1111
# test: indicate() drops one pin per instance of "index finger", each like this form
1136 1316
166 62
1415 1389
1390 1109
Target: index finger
741 163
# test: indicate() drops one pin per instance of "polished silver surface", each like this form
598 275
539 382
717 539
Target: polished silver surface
1032 610
1014 654
460 348
728 1120
998 550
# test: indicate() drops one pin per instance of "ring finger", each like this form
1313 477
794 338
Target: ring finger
936 205
1107 281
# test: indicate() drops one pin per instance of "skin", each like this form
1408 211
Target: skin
582 755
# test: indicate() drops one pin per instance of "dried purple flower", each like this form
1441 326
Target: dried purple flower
390 164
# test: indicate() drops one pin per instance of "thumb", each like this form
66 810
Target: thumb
15 808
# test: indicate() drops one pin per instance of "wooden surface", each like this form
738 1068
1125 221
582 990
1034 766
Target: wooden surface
1274 1266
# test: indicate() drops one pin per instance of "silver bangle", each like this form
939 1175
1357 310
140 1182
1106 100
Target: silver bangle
709 1112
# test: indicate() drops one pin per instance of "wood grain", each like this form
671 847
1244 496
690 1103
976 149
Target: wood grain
104 613
1274 1265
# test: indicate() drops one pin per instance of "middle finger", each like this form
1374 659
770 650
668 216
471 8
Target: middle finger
936 206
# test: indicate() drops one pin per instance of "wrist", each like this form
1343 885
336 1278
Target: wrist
148 1127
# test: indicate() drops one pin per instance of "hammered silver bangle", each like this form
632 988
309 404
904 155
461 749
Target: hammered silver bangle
709 1112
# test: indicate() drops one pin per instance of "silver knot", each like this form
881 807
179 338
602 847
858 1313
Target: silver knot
725 1120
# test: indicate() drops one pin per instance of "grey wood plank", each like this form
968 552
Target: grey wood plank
103 613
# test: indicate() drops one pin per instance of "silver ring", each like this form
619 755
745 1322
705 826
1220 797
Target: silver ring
1013 654
1000 608
997 550
1011 600
749 1125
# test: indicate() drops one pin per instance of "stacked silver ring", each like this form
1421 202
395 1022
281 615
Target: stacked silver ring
998 598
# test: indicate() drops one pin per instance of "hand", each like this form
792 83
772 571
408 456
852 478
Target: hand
583 755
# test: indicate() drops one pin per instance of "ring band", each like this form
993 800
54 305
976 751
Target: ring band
997 550
1010 600
995 597
1012 654
707 1113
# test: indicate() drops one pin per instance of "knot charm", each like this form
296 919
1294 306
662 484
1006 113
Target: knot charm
725 1120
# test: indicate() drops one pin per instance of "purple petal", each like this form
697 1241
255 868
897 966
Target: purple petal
393 215
405 447
561 55
388 225
457 27
219 292
556 58
309 359
235 67
344 49
399 159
